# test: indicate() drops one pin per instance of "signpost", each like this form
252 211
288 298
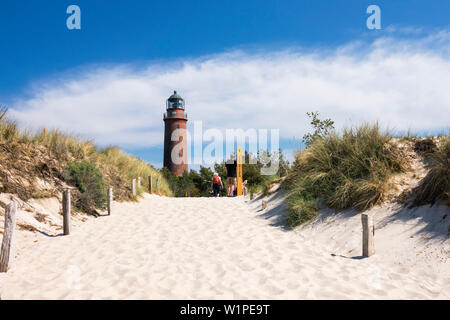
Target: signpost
239 171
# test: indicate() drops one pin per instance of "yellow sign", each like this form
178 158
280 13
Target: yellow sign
239 171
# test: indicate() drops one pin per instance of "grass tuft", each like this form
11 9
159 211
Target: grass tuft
350 170
436 184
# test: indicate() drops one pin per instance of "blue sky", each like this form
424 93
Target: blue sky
146 40
37 43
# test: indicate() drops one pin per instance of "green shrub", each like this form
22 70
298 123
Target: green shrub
351 170
195 184
88 179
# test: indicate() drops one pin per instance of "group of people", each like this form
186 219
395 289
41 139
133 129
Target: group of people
217 185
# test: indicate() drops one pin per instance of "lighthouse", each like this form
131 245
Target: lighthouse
175 144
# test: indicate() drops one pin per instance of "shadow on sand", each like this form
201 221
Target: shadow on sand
435 220
50 235
275 213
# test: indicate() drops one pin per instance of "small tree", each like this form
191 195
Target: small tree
321 128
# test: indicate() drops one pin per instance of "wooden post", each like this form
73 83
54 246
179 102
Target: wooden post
264 204
139 182
158 183
133 187
66 206
368 226
251 195
6 254
110 200
150 184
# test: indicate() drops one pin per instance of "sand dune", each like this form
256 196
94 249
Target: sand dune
206 248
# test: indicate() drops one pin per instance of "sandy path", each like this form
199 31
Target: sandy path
191 248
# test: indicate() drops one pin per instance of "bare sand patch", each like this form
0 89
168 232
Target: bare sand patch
216 248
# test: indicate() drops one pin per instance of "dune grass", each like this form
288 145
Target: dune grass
131 168
436 184
27 156
348 170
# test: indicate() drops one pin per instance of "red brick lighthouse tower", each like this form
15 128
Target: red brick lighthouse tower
175 142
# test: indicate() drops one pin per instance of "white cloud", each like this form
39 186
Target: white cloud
402 83
407 30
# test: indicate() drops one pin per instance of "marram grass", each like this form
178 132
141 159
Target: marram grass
436 184
24 153
348 170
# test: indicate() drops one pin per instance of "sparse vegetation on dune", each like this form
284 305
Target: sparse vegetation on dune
348 170
36 164
129 167
436 184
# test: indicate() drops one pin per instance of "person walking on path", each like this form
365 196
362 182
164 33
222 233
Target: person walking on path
231 166
216 184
